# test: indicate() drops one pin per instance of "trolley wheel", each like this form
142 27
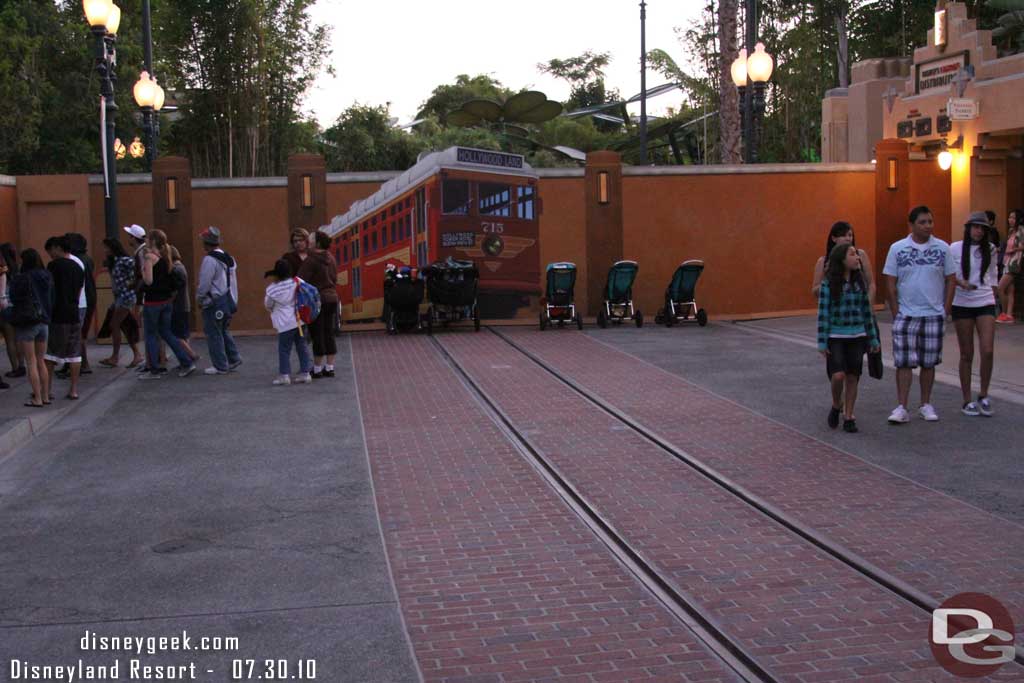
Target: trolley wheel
702 318
602 319
391 326
476 319
579 321
639 319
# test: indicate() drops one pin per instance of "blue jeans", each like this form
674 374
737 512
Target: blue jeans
285 340
223 352
157 321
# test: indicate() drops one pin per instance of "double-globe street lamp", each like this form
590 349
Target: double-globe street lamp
752 72
150 98
104 18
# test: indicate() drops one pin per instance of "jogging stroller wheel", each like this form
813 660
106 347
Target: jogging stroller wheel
430 320
639 318
579 321
670 316
476 318
702 318
602 320
543 321
391 326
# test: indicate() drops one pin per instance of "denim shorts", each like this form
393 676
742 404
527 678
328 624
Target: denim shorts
32 333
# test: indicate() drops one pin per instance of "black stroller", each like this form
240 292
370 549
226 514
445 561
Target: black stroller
403 295
618 296
558 304
451 288
680 296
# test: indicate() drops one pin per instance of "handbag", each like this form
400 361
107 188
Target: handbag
875 367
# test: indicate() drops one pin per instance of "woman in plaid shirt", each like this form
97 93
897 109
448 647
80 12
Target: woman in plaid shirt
846 329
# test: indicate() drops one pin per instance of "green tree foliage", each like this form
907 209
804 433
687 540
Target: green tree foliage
585 75
362 139
243 67
49 114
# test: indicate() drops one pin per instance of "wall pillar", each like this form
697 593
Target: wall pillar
892 199
603 233
172 212
307 191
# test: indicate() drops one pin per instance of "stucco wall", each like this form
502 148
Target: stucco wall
8 211
759 235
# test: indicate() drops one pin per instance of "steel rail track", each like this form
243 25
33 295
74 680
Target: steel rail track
702 625
848 557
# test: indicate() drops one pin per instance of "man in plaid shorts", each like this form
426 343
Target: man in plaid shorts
918 270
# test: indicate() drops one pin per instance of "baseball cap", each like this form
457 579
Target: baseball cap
136 231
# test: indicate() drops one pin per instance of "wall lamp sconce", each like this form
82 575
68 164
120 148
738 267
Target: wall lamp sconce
307 192
946 157
602 187
893 175
172 194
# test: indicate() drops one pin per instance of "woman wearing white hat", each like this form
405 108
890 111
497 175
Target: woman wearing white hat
974 307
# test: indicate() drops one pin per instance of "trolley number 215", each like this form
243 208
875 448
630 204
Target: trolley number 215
273 669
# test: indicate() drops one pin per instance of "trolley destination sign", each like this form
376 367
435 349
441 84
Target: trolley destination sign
486 158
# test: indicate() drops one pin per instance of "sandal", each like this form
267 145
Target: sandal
107 363
71 398
30 404
135 363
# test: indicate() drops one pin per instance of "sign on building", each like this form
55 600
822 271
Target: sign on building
936 75
962 108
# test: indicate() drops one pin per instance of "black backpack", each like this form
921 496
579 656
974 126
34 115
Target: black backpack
27 309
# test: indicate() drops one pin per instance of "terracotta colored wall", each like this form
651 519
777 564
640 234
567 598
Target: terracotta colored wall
759 256
253 222
562 228
134 205
8 214
930 186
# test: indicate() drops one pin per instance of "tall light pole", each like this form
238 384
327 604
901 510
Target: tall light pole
643 82
750 73
750 22
150 104
104 18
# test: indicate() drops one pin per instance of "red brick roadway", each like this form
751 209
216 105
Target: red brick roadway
498 580
938 544
804 615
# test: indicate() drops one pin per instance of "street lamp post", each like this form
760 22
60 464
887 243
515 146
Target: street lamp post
104 18
643 82
750 74
150 98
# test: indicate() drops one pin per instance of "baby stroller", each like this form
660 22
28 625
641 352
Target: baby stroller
402 297
558 303
618 296
451 288
680 302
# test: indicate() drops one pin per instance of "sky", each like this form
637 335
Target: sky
398 51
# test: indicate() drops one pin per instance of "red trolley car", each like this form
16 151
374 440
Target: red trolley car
469 204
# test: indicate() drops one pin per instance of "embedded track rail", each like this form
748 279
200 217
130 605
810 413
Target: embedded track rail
859 564
703 626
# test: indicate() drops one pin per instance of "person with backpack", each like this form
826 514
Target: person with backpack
64 339
120 318
282 301
217 294
320 270
182 306
161 284
30 312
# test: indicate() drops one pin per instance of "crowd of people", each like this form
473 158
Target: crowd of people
927 281
47 310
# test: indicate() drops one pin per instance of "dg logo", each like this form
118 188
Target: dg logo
972 635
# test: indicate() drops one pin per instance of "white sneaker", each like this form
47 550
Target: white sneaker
214 371
283 380
150 375
970 408
186 371
899 416
303 378
985 406
927 412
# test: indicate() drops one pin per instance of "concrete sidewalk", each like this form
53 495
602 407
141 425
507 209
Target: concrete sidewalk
220 506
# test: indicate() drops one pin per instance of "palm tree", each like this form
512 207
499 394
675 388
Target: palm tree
729 107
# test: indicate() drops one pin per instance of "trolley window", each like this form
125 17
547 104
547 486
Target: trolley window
337 254
366 244
394 230
357 283
421 210
526 196
384 235
373 243
344 253
494 200
455 197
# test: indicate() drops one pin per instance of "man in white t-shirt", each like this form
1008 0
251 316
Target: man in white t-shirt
919 270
